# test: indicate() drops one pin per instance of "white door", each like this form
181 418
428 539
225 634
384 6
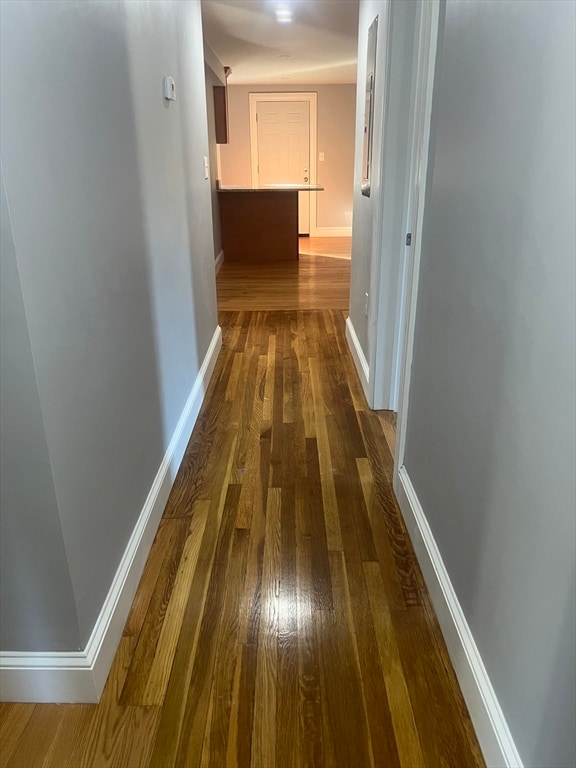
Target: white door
283 129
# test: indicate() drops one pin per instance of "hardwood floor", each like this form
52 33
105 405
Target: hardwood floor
281 619
320 279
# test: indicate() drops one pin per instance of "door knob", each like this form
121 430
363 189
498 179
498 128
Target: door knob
306 178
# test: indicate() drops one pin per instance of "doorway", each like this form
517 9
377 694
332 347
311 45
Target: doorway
283 129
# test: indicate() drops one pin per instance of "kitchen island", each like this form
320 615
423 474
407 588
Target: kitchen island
260 224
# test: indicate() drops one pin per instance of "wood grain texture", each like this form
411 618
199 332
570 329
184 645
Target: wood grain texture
220 97
13 720
281 619
320 279
258 225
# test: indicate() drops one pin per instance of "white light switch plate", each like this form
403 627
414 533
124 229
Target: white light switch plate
206 168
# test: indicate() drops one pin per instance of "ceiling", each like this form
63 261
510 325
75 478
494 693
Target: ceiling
320 44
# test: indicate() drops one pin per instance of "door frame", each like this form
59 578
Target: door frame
423 87
312 98
390 343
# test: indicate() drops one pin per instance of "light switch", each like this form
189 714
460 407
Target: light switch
321 157
206 168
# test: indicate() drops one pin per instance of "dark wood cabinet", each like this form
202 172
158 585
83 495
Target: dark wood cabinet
221 113
261 223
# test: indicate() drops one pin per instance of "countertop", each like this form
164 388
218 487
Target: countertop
273 188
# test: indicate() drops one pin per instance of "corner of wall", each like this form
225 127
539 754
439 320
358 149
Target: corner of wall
80 676
212 61
360 362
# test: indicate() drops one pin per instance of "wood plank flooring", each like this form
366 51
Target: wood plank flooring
281 619
319 280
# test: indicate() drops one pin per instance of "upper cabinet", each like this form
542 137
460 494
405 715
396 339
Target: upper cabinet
221 113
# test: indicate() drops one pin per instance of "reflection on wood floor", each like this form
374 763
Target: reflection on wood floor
281 619
320 279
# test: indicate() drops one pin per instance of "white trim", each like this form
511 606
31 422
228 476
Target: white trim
219 261
424 62
333 232
427 47
80 676
383 64
312 98
358 355
389 335
495 739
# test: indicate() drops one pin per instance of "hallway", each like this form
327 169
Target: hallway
320 279
281 619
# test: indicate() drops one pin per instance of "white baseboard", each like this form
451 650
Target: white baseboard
80 676
358 357
219 261
491 727
333 232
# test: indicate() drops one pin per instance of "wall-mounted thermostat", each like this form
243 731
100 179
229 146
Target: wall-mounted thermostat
169 89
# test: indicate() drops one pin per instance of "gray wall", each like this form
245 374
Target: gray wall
335 139
37 604
212 80
110 215
491 424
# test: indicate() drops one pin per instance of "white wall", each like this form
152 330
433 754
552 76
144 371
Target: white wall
335 140
111 217
490 444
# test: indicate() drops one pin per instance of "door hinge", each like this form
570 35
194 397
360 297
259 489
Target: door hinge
409 238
